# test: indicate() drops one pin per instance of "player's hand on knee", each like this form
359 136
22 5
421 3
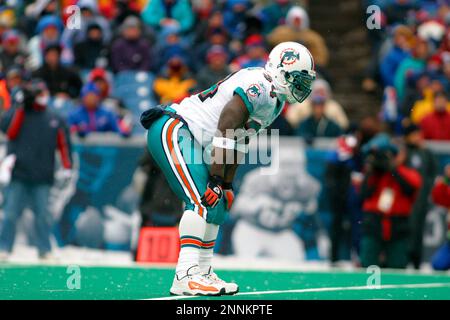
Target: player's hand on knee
228 193
213 192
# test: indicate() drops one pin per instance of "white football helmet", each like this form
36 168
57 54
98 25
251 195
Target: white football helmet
291 67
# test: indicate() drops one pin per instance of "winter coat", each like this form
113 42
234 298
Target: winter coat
155 11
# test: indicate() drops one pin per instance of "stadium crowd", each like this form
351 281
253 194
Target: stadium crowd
100 72
411 63
182 46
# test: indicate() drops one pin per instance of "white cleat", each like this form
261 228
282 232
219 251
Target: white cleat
230 287
193 283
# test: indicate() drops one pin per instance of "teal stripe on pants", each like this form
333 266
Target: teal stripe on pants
198 171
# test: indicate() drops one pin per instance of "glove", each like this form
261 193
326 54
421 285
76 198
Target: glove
213 192
228 194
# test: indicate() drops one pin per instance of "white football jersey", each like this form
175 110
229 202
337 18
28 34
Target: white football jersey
254 85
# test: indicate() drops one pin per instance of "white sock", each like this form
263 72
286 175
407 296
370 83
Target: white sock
209 239
192 229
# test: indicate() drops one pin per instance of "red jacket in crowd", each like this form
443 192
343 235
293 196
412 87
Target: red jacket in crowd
402 201
441 197
441 194
436 126
391 194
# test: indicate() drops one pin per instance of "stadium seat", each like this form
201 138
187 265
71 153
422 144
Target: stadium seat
134 77
135 90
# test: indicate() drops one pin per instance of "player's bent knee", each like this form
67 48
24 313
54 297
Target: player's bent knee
191 223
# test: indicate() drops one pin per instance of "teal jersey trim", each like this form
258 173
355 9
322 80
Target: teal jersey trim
239 91
190 246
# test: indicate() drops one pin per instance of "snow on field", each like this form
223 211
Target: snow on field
71 255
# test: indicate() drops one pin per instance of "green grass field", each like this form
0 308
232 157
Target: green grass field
50 282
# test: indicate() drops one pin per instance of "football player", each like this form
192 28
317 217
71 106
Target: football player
205 123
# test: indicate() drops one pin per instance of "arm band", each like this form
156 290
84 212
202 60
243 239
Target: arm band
224 143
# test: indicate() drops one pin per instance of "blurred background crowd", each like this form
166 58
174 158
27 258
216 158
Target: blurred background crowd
98 66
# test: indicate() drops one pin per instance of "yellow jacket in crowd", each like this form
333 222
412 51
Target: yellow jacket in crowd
424 107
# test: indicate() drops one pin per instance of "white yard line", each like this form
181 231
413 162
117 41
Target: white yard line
355 288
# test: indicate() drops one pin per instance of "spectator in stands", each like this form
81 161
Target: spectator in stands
414 64
49 31
213 24
10 86
175 83
402 41
396 11
298 112
425 106
61 81
213 37
171 44
108 8
38 9
439 69
436 125
16 77
441 197
420 158
91 116
34 135
255 54
318 124
216 68
252 25
5 99
234 15
434 66
297 29
446 66
417 85
274 14
90 52
389 190
161 13
10 51
124 9
89 15
445 45
203 9
341 164
101 80
130 51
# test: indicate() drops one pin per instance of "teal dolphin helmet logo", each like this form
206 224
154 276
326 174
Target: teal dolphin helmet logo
288 56
291 67
254 90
